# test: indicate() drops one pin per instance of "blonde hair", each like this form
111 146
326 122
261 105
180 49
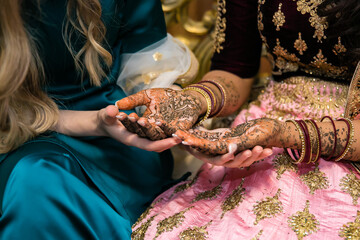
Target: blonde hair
25 109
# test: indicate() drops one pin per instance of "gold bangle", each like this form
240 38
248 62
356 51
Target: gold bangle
302 138
317 141
209 91
350 141
208 102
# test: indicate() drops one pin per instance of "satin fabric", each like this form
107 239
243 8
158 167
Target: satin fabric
60 187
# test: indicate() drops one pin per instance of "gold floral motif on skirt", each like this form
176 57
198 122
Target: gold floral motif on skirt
303 223
192 233
351 185
315 180
267 208
236 197
283 163
351 230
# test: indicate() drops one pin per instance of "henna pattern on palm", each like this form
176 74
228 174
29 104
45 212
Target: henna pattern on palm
176 109
259 132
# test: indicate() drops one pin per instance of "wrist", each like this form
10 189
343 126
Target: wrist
198 96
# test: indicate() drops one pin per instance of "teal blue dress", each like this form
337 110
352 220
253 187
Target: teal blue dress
62 187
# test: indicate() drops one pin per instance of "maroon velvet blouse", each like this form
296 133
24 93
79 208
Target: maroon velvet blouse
294 35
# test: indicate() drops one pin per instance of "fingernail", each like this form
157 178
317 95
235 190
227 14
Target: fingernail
174 135
158 123
121 116
232 148
132 118
142 123
185 143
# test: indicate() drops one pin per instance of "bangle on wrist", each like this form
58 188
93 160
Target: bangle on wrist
223 96
349 139
302 139
208 102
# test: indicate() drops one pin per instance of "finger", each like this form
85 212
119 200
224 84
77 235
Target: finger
129 125
152 131
132 101
217 160
168 129
213 147
108 114
148 145
239 159
255 154
133 117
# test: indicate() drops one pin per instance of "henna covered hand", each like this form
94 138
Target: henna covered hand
178 109
262 132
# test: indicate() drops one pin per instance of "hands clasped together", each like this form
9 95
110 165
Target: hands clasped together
171 114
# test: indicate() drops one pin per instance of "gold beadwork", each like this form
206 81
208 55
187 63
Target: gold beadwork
236 197
351 185
195 233
317 142
220 26
209 194
258 235
267 208
279 18
282 163
339 48
300 45
169 223
303 223
139 233
351 230
315 180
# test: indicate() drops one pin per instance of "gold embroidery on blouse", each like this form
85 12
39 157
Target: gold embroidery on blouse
339 47
236 197
351 230
291 65
169 223
315 180
258 235
317 22
303 223
279 18
209 194
282 163
267 208
260 23
139 233
195 233
351 185
300 45
220 26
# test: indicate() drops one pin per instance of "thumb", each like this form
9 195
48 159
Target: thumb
132 101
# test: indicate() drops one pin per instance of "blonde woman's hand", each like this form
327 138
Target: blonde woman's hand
109 125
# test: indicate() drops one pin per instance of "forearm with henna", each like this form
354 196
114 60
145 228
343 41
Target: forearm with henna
237 90
290 138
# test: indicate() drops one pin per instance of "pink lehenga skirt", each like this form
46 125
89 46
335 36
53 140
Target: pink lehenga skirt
271 199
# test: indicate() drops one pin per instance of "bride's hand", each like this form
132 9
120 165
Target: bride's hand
259 132
180 110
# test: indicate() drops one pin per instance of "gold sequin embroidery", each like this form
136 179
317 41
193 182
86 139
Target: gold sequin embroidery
260 23
236 197
220 26
283 163
351 230
317 22
267 208
258 235
195 233
279 18
184 186
209 194
169 223
315 180
339 47
351 185
303 223
139 233
300 45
